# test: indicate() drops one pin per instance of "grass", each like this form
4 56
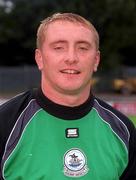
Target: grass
133 118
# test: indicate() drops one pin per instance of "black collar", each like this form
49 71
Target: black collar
61 111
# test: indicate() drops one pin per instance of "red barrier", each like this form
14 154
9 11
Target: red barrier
128 108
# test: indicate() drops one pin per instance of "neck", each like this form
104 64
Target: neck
66 99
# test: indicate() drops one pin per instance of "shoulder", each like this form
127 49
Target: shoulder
112 112
16 102
10 111
125 129
118 122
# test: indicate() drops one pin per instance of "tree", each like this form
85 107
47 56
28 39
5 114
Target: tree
114 20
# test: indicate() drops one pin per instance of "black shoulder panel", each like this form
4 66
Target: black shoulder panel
9 112
125 130
118 114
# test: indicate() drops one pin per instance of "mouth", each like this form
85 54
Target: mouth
70 71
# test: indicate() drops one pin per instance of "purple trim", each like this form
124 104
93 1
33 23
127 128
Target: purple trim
17 130
116 124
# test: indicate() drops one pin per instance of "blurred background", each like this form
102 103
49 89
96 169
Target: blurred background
115 21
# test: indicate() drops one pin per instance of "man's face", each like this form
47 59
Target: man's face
67 58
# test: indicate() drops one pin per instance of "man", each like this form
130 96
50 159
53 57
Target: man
61 131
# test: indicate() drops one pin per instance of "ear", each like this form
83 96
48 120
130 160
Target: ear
39 59
97 61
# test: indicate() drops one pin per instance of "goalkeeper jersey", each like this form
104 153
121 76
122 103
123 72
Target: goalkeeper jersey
42 140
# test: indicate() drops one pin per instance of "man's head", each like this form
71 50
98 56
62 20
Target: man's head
70 17
67 54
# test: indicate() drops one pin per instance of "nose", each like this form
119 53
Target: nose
71 56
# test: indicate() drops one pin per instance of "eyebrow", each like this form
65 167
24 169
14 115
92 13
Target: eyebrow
78 42
84 42
58 41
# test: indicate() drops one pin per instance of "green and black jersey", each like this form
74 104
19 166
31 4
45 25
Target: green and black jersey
41 140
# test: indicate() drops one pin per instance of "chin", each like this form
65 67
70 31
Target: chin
71 90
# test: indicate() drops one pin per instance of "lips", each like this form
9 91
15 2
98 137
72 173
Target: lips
70 71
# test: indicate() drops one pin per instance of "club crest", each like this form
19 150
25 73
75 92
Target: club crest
75 163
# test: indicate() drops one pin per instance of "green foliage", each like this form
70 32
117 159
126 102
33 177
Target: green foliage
133 118
114 20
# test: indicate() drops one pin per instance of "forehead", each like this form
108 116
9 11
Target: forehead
68 30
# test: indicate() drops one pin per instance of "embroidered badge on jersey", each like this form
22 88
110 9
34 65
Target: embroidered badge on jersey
75 163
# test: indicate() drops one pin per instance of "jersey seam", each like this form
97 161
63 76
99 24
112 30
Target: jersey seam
20 136
110 125
116 117
112 130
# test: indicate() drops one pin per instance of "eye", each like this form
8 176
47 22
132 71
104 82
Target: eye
83 48
58 47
